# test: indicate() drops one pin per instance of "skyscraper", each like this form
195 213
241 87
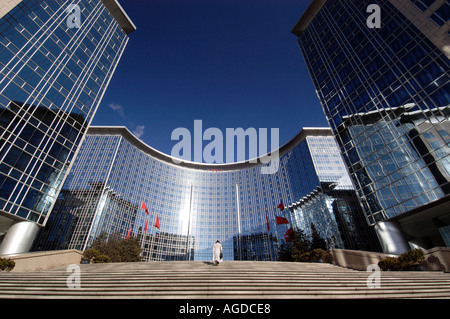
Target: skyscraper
198 203
56 60
381 72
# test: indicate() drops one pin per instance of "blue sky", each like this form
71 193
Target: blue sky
228 63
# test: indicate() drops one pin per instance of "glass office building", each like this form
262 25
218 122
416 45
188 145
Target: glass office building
56 60
197 204
332 204
381 72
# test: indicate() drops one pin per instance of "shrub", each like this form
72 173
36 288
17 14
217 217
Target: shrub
317 254
390 263
7 264
90 254
300 244
317 241
305 257
95 256
328 258
412 257
285 252
405 261
314 255
113 248
102 258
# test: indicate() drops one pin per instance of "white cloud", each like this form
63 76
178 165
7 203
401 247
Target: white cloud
139 131
117 108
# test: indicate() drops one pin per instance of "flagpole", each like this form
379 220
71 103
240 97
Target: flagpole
151 247
276 230
287 225
269 244
268 238
142 243
142 239
144 233
189 225
282 208
238 222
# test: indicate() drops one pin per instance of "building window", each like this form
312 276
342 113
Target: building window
422 4
441 15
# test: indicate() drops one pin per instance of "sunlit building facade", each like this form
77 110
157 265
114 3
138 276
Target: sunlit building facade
331 204
196 204
381 72
56 60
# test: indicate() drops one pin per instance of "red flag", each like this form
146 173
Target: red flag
128 235
144 207
281 220
281 206
267 221
288 234
146 225
157 222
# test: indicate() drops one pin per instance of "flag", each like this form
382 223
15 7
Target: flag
157 222
281 206
287 235
128 235
144 207
146 225
267 221
281 220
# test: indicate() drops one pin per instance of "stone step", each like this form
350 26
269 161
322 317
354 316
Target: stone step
233 294
232 287
201 280
36 277
234 265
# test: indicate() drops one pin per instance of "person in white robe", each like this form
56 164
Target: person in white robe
217 253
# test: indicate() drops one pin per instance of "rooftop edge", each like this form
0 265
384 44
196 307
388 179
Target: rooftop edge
131 138
120 15
309 14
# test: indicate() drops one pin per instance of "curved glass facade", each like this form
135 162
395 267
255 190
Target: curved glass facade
196 204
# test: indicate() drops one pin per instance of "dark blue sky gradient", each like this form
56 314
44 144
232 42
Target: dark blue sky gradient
228 63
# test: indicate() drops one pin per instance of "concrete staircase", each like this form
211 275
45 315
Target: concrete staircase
229 280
